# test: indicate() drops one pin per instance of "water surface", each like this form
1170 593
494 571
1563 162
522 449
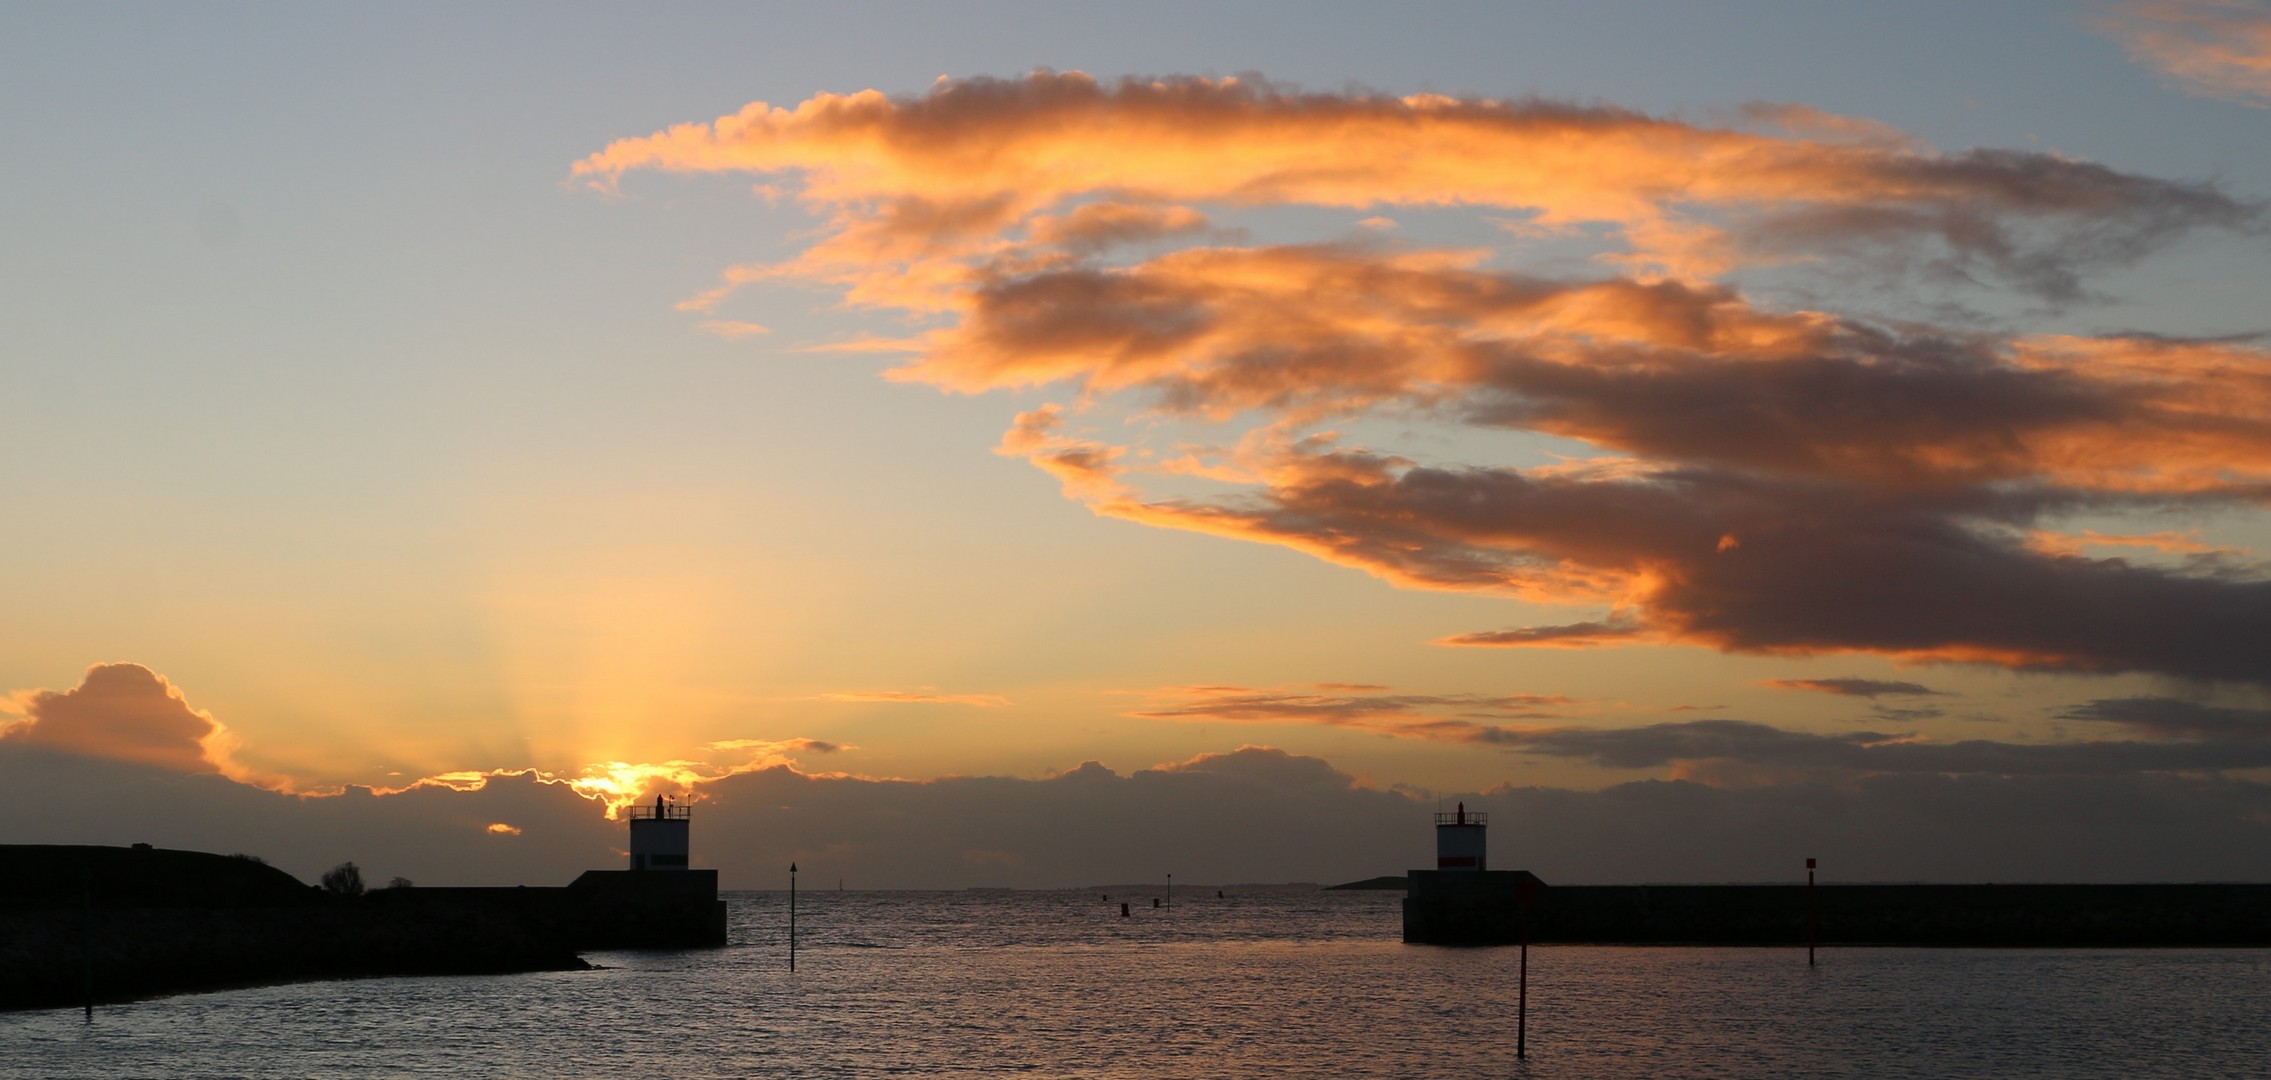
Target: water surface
1263 982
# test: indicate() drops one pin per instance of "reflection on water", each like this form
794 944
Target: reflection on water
1260 983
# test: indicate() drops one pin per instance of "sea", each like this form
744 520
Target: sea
1258 981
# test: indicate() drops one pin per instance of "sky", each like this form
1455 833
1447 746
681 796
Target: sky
1047 444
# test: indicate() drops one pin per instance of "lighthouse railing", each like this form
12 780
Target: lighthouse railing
1471 817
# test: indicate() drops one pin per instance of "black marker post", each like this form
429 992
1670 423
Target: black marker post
1813 921
1522 893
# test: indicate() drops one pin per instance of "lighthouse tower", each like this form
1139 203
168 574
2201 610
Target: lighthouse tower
659 835
1458 840
1462 901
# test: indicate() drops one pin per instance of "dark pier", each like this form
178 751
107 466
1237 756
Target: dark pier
82 924
1464 902
1449 908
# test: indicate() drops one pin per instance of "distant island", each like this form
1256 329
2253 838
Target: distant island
1398 882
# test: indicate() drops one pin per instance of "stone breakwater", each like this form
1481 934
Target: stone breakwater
80 924
1487 909
67 958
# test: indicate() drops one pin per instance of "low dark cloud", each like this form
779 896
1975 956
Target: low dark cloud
1851 687
1199 820
1907 716
1748 564
2036 223
1877 805
2175 718
1762 747
1894 827
432 834
2176 736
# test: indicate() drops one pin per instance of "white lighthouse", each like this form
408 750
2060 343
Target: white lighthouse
659 835
1458 840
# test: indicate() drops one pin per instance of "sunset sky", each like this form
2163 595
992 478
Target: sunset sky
1046 444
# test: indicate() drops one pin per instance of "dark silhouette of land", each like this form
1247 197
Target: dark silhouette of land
82 924
1397 882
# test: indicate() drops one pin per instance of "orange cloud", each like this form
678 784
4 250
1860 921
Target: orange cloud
778 746
915 188
615 785
1096 226
126 712
1848 687
1584 635
2213 48
2166 542
733 331
1088 470
867 343
916 697
1669 371
1455 718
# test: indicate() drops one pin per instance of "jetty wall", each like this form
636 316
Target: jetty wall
101 924
1476 912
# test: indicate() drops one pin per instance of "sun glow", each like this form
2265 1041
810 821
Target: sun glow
618 784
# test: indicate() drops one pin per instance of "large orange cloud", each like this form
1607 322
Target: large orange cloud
1748 479
126 712
913 185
